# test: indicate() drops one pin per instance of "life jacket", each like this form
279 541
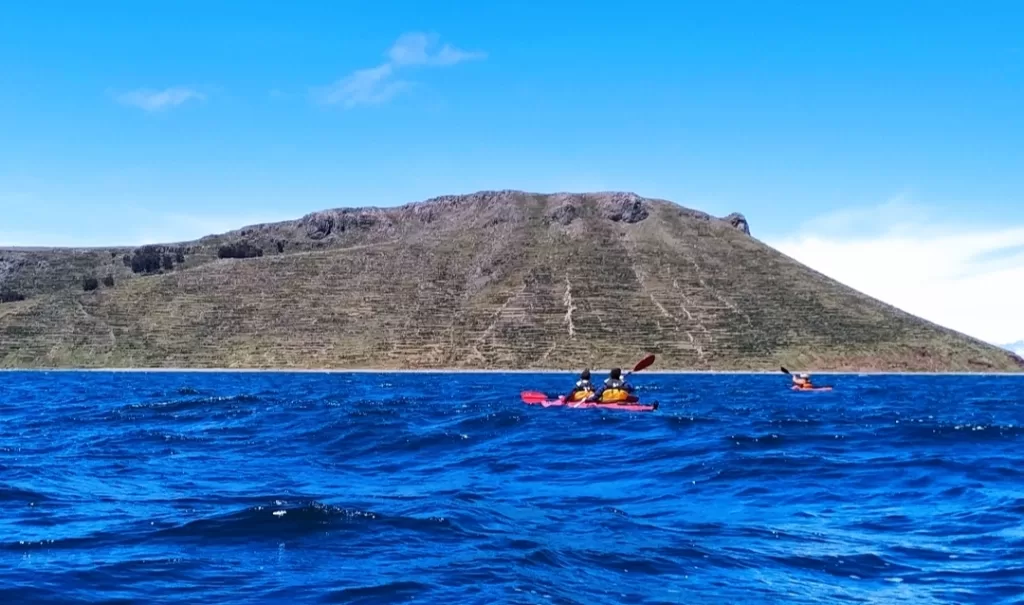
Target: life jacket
582 390
614 391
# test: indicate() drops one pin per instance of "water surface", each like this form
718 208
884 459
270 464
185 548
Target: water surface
445 488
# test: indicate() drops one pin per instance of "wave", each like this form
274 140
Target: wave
12 494
275 520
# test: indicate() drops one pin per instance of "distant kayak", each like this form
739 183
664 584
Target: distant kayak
804 376
561 402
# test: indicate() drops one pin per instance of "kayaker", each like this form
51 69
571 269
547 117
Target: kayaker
583 388
802 381
614 390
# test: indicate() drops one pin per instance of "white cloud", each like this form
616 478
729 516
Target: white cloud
415 49
376 85
158 100
968 278
370 86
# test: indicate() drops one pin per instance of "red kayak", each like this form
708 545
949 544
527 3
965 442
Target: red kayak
537 398
534 398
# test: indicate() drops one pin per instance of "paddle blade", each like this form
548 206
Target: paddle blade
643 363
784 370
533 397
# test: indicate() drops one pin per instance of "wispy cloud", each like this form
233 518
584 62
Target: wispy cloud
376 85
967 278
370 86
159 100
417 49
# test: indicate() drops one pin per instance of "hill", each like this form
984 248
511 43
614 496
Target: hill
501 279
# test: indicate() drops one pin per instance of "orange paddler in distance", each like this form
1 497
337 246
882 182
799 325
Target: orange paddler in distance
802 382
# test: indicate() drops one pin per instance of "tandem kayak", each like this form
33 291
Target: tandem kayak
795 388
624 407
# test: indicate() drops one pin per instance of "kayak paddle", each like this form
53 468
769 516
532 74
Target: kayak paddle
643 363
784 370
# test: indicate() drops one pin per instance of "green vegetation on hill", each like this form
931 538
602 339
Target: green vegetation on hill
490 280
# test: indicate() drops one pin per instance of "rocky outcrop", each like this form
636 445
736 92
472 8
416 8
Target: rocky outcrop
738 221
624 207
9 265
564 215
319 225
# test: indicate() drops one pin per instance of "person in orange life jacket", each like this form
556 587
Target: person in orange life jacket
802 381
583 388
614 390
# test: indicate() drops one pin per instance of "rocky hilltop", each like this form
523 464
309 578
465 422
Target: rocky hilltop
498 279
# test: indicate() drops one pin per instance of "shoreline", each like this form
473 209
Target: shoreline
487 371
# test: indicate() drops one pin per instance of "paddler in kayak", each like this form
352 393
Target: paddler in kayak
583 388
614 390
802 381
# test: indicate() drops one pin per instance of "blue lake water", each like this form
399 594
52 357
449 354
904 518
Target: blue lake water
446 488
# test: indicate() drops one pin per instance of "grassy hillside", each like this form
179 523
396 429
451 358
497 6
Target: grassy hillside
489 280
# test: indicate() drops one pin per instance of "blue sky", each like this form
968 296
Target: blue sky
126 122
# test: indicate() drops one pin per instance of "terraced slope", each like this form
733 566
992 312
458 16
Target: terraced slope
490 280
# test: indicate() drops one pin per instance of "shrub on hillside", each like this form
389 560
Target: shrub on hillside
108 281
8 296
146 259
90 283
239 250
151 258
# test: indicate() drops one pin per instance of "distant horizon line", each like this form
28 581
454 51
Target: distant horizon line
486 371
